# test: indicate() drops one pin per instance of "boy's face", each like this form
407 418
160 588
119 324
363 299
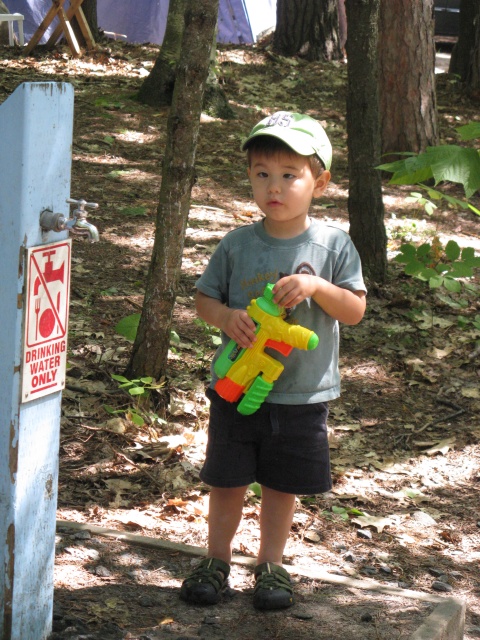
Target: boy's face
283 187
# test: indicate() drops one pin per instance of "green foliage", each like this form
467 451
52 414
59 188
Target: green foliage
210 331
437 265
133 212
256 489
450 163
128 327
139 386
342 512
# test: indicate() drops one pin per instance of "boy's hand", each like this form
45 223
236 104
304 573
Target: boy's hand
343 305
240 327
292 290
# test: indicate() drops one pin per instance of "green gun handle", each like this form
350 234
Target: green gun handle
255 396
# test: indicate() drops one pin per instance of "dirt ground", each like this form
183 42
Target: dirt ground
405 434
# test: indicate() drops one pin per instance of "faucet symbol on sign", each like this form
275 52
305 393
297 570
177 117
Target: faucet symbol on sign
48 297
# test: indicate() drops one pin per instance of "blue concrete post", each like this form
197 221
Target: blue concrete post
36 124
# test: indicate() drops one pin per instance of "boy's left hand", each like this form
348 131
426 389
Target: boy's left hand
292 290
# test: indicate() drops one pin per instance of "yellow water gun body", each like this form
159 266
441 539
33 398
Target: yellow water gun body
252 372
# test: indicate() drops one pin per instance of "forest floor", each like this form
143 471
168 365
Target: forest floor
405 435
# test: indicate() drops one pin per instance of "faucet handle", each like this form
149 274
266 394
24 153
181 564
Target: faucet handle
82 205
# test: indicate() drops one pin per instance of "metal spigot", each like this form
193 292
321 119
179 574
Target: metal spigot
77 224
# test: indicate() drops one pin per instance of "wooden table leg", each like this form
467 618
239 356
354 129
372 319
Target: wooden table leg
76 10
37 36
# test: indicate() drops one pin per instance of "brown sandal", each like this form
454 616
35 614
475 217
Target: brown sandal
273 589
206 583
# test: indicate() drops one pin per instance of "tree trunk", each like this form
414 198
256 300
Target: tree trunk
473 74
215 101
89 8
462 51
407 76
308 28
365 205
157 88
150 350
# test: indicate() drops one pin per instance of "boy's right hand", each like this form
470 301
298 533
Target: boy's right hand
239 327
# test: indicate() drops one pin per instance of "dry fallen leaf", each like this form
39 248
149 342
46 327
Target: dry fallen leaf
373 521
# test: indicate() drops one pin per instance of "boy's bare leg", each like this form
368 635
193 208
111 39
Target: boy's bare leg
276 518
224 515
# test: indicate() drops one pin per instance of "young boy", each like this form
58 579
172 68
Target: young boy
317 275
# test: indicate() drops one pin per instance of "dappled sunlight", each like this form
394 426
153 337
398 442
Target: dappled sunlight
404 435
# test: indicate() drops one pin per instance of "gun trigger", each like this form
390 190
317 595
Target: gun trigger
282 347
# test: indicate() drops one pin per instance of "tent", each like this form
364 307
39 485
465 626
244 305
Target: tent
239 21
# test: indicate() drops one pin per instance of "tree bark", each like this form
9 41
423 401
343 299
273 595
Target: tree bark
407 76
157 88
460 60
365 205
150 350
89 8
308 28
473 74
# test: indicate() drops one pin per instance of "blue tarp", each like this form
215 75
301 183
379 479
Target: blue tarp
239 21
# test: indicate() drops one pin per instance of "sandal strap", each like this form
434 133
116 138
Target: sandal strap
211 570
272 576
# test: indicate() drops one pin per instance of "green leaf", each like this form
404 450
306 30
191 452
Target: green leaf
119 378
339 510
426 274
469 131
136 391
435 282
469 257
452 250
256 488
452 285
413 267
128 326
136 418
216 341
412 170
355 512
174 337
472 208
460 270
456 164
423 250
146 380
111 410
443 163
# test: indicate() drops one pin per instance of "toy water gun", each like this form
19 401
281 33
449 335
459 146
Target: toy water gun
251 371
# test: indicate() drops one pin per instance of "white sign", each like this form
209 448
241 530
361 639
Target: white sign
46 319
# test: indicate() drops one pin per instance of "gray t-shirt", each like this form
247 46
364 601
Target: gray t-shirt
247 259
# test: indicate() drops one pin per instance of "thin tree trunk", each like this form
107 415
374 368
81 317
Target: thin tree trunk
473 74
462 51
365 205
89 8
150 350
157 88
407 76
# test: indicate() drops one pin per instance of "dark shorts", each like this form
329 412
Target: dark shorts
283 447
